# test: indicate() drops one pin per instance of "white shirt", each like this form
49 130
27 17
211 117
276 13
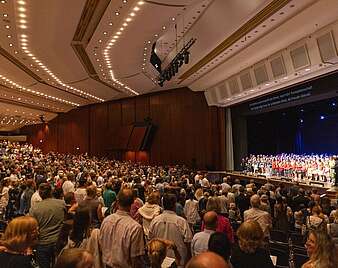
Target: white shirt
68 187
191 211
200 242
172 227
35 198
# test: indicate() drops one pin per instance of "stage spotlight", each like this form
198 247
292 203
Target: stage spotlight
333 104
322 117
301 121
186 57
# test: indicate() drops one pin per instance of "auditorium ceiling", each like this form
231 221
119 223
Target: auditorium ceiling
56 55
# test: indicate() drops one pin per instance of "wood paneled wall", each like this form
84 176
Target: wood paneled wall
188 131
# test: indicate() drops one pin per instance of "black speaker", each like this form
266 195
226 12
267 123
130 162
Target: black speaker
148 137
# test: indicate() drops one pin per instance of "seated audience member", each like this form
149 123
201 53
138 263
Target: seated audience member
157 253
332 228
256 214
93 204
207 260
223 223
321 250
19 239
220 244
172 227
121 237
199 243
149 211
75 258
82 236
50 214
249 252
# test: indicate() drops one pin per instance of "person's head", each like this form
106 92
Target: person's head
20 234
220 244
255 201
125 199
81 225
91 191
250 236
207 260
169 202
210 220
154 198
213 204
321 248
316 210
157 251
75 258
109 186
264 198
45 190
69 198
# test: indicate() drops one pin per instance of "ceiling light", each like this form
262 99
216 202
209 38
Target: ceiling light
128 19
118 33
105 33
22 26
5 15
173 18
110 23
9 36
140 3
22 21
7 26
125 24
3 2
117 13
22 9
132 14
116 36
23 36
163 28
121 29
10 45
15 52
21 2
22 15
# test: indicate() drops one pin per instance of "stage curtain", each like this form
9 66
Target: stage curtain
229 141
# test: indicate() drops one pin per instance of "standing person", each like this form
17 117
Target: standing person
109 196
242 200
282 214
249 252
149 211
50 214
199 243
172 227
191 211
121 237
256 214
16 247
321 250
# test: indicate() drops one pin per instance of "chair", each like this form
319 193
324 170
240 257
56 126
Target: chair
297 239
282 256
279 246
299 260
280 236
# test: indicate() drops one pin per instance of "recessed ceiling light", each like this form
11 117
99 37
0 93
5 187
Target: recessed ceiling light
163 28
132 14
7 26
173 19
22 26
140 3
125 24
105 33
117 13
21 9
125 1
5 15
11 45
9 36
128 19
136 8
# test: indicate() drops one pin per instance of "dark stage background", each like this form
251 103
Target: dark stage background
308 128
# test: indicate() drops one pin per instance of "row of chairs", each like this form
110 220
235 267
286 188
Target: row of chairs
289 249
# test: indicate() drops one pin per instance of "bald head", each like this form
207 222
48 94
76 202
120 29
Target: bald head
207 260
210 220
255 201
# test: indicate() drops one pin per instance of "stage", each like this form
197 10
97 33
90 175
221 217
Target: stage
322 187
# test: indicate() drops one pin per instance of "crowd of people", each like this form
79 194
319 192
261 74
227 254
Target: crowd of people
299 167
62 211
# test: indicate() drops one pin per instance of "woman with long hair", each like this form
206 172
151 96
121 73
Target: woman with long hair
75 258
249 252
83 237
321 250
20 236
157 252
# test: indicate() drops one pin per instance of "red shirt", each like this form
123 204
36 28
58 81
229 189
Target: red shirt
223 226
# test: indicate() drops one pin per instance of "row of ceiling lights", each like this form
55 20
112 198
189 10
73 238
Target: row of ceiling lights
16 121
24 46
35 92
112 42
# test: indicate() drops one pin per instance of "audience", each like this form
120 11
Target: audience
70 219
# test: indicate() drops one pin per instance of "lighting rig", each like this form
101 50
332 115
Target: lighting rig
172 69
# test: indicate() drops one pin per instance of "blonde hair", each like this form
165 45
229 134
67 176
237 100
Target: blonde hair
157 251
19 234
250 236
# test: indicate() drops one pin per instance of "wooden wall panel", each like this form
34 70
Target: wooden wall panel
188 131
128 111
